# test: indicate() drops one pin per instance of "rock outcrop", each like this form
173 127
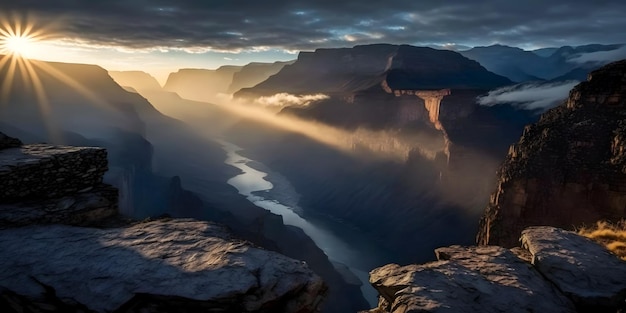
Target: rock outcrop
559 272
46 184
569 168
153 265
44 171
585 272
157 266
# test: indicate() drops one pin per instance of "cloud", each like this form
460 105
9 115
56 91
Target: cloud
285 99
600 57
237 25
530 96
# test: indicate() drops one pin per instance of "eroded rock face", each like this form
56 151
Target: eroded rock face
467 279
155 265
42 171
82 209
569 168
583 270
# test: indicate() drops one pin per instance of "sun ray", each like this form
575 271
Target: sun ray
69 81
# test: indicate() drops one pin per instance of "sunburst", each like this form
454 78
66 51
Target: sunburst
19 38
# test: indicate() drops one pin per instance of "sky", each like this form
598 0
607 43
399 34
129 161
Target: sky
160 36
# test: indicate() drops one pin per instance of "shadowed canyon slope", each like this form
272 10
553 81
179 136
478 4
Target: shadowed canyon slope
568 169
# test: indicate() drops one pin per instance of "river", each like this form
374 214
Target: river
253 183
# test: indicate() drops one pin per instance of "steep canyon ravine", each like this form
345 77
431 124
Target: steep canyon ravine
253 183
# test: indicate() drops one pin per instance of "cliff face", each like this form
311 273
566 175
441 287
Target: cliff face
146 267
568 169
201 85
138 80
254 73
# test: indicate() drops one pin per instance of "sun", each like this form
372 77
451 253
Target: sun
18 45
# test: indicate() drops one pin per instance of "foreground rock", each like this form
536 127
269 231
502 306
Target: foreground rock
154 265
474 279
567 169
584 271
560 272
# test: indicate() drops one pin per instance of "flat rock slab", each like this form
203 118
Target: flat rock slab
467 279
583 270
166 259
45 171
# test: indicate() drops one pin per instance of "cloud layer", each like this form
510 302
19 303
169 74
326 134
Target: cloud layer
530 96
235 25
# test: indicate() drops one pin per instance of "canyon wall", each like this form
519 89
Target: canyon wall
568 169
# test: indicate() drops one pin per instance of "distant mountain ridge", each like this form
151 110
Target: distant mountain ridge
560 63
362 68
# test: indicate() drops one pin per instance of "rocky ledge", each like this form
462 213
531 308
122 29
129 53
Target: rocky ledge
154 265
45 171
555 271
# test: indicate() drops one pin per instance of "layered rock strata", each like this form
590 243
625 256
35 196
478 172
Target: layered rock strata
44 171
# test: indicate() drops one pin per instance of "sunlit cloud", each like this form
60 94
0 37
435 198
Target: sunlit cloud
285 100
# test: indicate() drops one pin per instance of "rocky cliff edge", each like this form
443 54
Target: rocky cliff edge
49 264
554 271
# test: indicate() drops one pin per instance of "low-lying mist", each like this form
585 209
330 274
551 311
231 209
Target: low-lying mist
530 96
389 144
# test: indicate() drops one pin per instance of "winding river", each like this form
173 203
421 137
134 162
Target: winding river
253 184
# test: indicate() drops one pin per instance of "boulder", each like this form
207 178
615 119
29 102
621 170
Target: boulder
467 279
154 267
590 275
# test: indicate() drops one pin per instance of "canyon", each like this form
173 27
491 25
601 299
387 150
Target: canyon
416 164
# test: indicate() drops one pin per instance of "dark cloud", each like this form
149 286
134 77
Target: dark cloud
298 24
